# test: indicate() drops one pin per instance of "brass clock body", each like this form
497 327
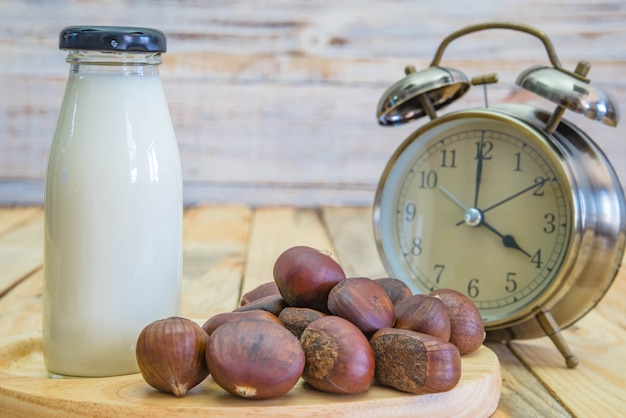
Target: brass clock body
537 224
511 205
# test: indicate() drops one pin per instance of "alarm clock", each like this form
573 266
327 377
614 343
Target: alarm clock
512 205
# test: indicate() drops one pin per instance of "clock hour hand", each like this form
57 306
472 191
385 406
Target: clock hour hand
507 240
476 217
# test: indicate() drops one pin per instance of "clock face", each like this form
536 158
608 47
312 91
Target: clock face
477 202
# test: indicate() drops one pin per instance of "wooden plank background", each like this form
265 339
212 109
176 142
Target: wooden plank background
274 101
229 249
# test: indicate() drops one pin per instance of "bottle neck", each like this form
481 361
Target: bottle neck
127 63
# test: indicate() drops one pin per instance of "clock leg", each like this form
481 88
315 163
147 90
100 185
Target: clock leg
552 330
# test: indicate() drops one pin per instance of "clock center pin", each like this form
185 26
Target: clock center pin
473 217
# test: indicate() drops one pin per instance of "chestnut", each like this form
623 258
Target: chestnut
265 289
256 359
396 289
272 304
171 355
305 275
297 319
425 314
363 302
219 319
467 329
339 358
414 362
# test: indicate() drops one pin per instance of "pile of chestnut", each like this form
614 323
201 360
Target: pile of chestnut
338 334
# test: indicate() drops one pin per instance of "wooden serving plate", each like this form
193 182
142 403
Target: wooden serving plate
26 391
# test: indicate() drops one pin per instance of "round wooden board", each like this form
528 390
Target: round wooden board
27 391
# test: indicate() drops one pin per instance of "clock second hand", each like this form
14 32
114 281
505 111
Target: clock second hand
475 217
513 196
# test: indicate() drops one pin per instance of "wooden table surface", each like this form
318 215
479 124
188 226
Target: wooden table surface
229 249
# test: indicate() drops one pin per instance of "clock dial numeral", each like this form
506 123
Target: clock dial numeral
550 223
439 268
518 161
409 211
448 158
428 179
540 182
536 259
511 283
417 246
483 150
472 288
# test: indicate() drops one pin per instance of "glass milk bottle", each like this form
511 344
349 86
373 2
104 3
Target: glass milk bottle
113 204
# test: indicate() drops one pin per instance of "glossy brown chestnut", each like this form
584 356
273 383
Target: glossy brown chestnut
171 355
467 329
305 275
339 358
216 320
363 302
265 289
256 359
425 314
396 289
272 304
297 319
414 362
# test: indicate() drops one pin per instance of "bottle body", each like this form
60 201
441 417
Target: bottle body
113 220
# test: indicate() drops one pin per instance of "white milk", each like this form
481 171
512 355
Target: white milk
113 223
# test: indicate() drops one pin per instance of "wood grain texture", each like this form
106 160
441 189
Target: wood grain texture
613 301
228 248
215 243
523 394
26 391
351 231
600 347
22 251
21 309
12 217
276 229
274 102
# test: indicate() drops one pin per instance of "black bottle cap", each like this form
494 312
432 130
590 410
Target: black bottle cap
112 38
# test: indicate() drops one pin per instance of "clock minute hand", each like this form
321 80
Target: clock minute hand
479 169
